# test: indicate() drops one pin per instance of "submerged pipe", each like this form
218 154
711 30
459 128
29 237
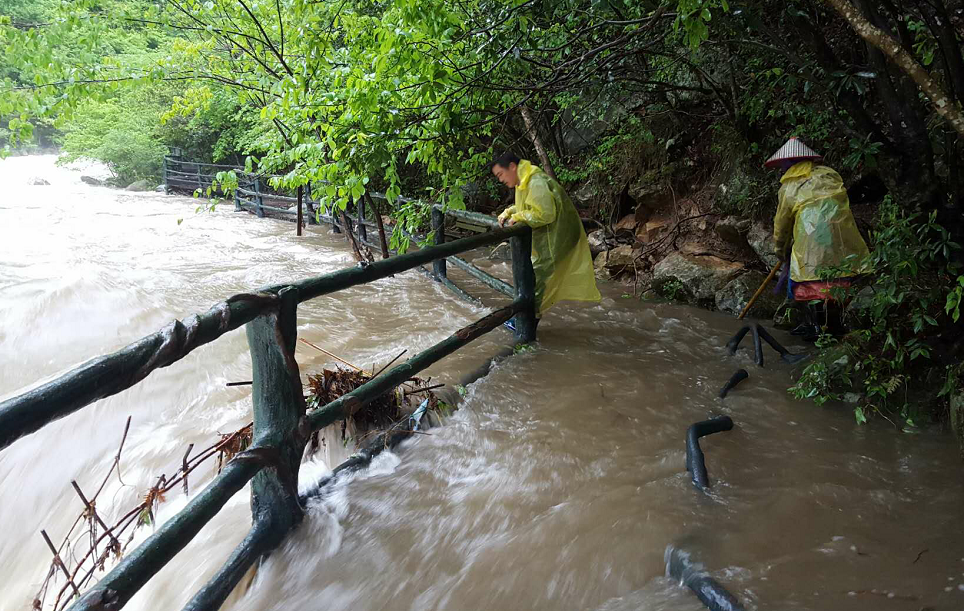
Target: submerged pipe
735 379
710 592
695 462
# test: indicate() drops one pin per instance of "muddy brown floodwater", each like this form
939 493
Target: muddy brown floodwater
556 486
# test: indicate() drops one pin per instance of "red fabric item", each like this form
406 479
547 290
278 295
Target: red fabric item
818 289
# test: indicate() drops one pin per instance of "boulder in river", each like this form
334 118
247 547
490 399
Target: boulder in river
38 182
94 182
140 185
698 277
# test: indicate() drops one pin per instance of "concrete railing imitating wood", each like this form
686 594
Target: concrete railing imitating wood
282 426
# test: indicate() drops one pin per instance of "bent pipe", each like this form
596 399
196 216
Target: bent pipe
735 379
695 461
710 592
759 332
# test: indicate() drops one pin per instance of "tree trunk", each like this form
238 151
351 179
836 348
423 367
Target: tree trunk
943 104
533 133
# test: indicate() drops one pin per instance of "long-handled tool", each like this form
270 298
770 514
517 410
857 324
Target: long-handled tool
759 291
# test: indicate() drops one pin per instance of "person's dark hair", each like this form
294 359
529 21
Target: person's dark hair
505 159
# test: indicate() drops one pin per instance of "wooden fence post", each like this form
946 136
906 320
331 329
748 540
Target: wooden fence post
438 227
301 195
524 279
310 206
258 197
360 208
280 424
197 167
167 188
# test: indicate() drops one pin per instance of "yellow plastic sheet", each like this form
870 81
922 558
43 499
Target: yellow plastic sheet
814 211
560 250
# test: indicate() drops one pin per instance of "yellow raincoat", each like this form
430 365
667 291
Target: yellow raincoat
560 250
814 211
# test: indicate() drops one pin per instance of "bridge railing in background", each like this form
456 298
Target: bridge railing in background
282 424
253 192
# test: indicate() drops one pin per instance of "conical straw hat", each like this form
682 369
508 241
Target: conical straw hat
794 150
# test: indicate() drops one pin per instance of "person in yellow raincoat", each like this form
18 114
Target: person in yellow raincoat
815 229
560 251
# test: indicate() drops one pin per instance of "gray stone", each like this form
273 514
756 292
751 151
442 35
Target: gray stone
94 182
600 240
701 277
160 189
585 196
761 241
502 252
734 296
733 230
38 182
140 185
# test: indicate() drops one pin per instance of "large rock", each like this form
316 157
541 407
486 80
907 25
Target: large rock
733 230
761 241
38 182
140 185
600 241
699 276
160 189
736 293
615 261
628 222
94 182
585 196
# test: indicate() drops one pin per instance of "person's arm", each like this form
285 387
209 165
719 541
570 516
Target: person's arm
540 208
783 225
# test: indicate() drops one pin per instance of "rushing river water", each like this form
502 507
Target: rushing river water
556 486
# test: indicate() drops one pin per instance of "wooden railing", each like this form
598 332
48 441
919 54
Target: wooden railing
282 424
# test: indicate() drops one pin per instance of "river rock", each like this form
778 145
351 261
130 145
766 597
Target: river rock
160 189
699 276
140 185
94 182
733 230
736 293
761 241
38 182
502 252
615 261
600 240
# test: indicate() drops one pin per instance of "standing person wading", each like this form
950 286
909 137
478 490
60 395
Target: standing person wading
815 229
560 251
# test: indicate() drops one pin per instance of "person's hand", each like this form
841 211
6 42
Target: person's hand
503 218
511 222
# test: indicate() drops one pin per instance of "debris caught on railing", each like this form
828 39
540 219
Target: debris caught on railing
74 569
